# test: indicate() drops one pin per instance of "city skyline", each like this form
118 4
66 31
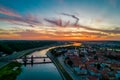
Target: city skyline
60 20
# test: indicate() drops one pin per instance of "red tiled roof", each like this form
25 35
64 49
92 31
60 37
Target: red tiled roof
104 72
77 63
92 77
93 69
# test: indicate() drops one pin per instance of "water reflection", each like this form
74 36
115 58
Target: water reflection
39 71
41 53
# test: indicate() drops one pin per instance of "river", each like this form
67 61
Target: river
39 71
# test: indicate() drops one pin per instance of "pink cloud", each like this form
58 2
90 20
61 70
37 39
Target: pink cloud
18 19
60 23
21 21
7 11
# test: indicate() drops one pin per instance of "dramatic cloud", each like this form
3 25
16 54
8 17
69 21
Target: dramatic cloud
116 31
58 22
55 22
64 26
73 16
23 21
17 19
61 23
9 12
54 34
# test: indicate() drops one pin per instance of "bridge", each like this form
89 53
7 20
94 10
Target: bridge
38 57
34 60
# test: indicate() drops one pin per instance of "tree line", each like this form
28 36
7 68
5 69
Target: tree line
10 46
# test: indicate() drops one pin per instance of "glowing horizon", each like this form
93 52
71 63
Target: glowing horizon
60 20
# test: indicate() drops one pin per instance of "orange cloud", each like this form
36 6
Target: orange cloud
52 34
43 34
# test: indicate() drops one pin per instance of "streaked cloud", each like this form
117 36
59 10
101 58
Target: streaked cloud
9 12
117 31
73 16
55 34
18 19
61 22
57 22
23 21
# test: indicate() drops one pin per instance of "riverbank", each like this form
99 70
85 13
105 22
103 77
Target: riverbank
62 71
10 71
40 71
65 75
65 70
7 59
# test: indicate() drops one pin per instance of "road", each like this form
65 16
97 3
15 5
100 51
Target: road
7 59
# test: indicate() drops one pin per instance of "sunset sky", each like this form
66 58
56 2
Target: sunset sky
60 19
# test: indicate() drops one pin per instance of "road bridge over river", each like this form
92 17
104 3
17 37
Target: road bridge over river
34 60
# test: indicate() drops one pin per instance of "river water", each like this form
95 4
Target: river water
39 71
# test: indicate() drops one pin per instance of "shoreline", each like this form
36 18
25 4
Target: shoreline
57 64
4 60
64 74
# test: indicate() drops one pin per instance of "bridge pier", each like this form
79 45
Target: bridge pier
44 59
32 60
25 60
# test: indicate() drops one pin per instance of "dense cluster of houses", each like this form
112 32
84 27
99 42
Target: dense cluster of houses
92 63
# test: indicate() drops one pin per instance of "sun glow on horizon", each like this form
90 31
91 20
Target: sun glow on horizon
84 20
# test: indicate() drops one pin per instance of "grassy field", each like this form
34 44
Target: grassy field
7 72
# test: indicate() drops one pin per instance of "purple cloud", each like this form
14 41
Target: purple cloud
20 21
9 12
17 19
59 22
73 16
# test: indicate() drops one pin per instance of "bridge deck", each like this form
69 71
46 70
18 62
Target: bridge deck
32 57
34 60
37 62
